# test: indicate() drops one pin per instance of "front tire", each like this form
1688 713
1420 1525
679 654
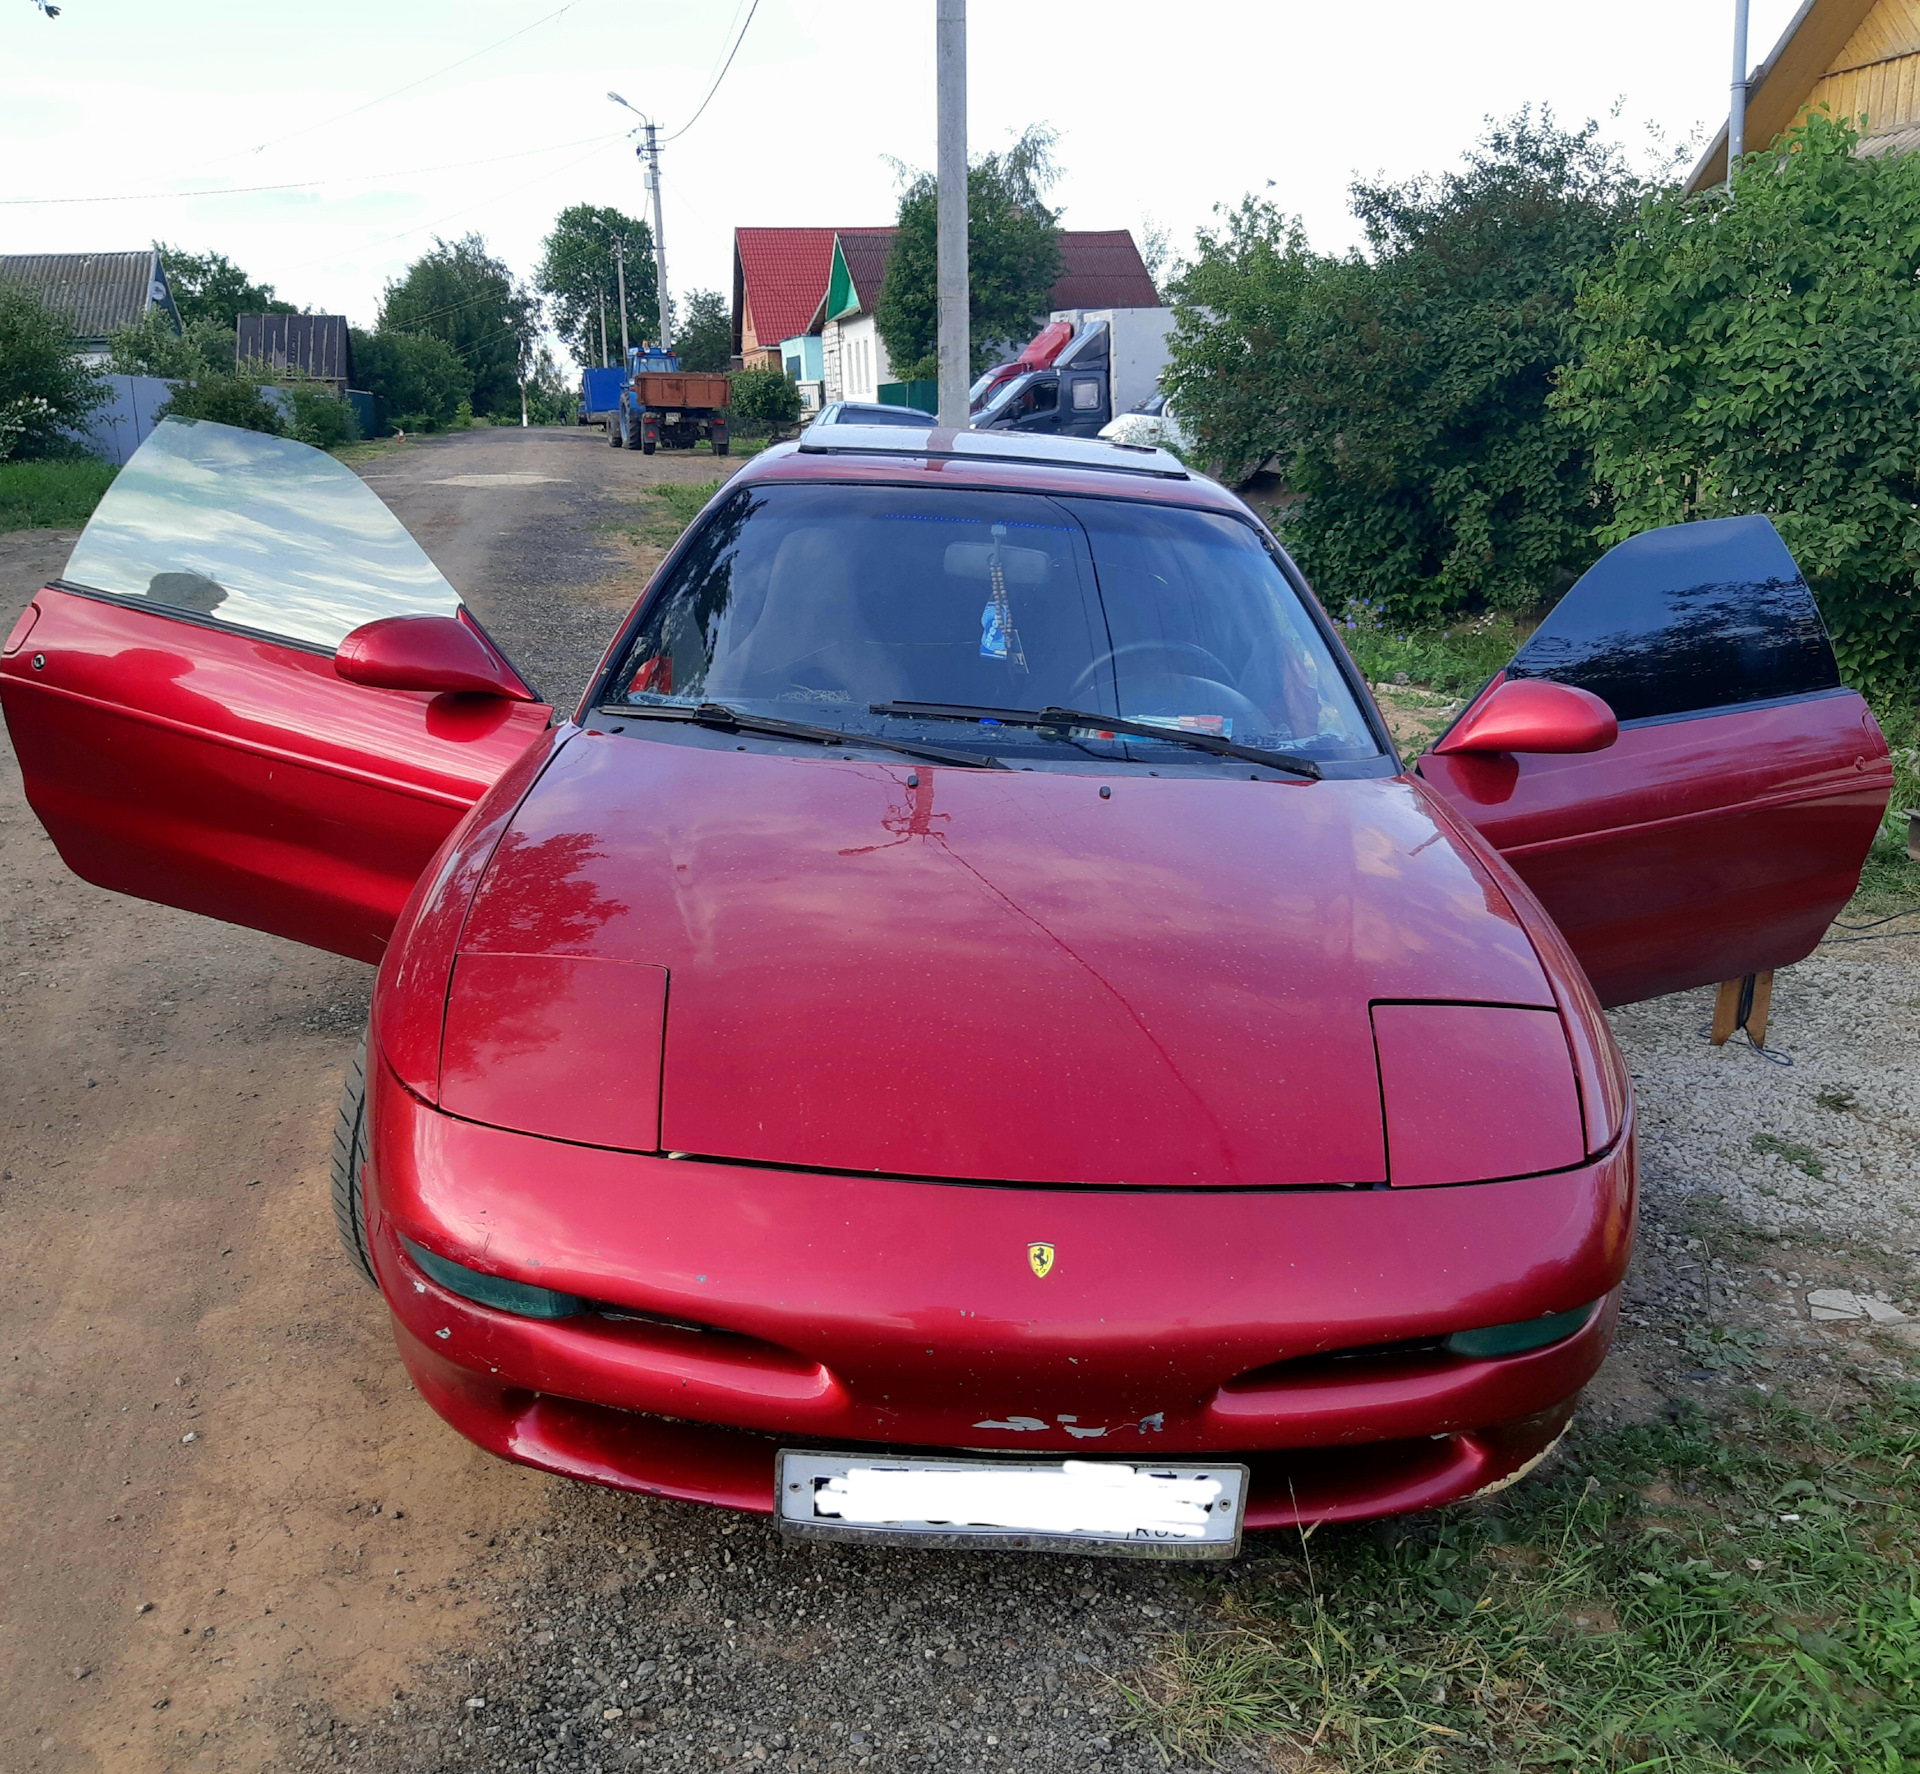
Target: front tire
349 1161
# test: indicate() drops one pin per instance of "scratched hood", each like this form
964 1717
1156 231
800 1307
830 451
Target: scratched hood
996 974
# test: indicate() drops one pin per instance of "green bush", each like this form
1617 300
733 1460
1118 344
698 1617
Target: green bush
1230 365
320 417
150 347
230 397
422 379
765 397
1759 350
1432 476
45 390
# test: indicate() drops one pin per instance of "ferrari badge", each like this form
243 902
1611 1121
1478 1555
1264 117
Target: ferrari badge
1041 1257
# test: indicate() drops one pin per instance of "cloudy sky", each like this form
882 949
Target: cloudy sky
346 135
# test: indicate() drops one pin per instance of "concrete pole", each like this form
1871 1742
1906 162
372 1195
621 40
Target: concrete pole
1737 106
950 55
620 270
603 326
659 238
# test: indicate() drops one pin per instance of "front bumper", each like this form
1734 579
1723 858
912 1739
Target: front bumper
848 1312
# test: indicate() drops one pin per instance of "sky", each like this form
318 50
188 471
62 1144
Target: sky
387 122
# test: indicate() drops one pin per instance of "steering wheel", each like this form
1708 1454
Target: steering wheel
1218 666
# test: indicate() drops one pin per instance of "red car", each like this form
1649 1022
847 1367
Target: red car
969 1032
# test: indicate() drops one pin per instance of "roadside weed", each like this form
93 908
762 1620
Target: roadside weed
1803 1158
658 525
1699 1599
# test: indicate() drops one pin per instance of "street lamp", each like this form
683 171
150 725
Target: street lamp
649 156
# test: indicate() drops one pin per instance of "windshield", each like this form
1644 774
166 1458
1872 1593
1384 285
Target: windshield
814 603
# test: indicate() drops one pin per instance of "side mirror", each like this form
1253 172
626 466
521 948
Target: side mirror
1535 715
438 653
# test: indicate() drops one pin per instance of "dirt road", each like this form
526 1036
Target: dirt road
232 1539
218 1498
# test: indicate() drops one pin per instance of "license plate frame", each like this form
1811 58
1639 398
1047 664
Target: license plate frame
798 1473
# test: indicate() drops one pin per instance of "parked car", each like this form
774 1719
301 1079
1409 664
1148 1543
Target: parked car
1152 422
873 412
969 1033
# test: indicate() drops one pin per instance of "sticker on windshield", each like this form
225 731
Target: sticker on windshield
1219 726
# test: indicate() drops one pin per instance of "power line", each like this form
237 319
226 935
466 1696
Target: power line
715 87
422 81
405 172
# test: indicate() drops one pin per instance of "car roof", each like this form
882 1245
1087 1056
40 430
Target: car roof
882 413
1020 460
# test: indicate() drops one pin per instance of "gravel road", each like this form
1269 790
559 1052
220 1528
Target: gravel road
235 1540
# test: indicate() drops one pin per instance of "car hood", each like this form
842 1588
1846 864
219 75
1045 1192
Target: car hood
995 975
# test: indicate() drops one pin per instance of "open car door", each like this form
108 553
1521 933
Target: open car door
1724 828
185 729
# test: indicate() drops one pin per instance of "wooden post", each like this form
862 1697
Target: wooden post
1726 1011
1742 1004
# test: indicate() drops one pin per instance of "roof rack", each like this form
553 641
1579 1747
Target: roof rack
1164 468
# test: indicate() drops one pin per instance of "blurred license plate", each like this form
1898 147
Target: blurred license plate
1119 1508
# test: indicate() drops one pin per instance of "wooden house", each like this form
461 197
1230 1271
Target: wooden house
1854 57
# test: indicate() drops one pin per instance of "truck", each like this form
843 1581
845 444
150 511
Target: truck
599 396
660 403
1084 368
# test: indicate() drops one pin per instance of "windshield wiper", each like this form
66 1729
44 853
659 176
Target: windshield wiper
1077 717
732 720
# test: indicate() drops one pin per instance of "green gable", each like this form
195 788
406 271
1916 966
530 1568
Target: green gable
842 298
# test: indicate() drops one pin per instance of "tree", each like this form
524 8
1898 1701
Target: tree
422 379
1230 362
1759 350
551 398
460 294
45 389
1013 258
210 286
704 339
1431 474
577 271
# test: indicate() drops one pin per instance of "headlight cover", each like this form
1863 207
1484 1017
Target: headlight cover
494 1290
1518 1339
1475 1092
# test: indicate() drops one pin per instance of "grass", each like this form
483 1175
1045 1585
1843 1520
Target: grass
52 495
1803 1158
369 449
1693 1599
679 503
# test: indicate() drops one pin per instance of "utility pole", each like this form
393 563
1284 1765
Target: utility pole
603 326
1737 107
650 156
620 270
955 331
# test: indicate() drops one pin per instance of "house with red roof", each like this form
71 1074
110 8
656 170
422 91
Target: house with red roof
778 276
803 298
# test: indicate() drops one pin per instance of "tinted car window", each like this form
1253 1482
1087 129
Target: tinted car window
1692 617
260 531
815 602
